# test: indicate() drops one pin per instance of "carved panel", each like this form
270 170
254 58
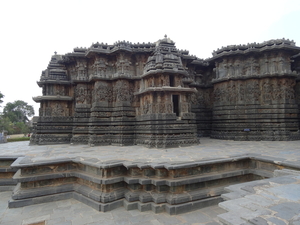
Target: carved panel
162 108
123 91
241 92
146 106
222 69
102 92
82 94
81 70
48 111
59 110
184 107
99 68
252 91
123 66
59 90
272 63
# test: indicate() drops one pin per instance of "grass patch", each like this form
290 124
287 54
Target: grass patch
18 139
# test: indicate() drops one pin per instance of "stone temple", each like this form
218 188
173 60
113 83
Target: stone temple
155 95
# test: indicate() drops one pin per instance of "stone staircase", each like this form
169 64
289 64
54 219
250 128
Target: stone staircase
174 188
270 201
7 183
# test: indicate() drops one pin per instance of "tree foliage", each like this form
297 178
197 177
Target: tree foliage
6 124
1 96
15 117
18 111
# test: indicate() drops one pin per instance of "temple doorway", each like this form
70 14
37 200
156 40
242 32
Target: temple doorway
175 100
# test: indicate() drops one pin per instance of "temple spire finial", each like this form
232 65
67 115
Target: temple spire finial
166 36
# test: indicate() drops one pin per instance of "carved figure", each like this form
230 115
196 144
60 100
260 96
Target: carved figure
58 110
223 70
102 92
267 91
100 67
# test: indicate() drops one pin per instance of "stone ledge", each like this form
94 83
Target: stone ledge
104 207
263 202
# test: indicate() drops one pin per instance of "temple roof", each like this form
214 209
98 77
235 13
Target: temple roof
256 47
165 40
164 45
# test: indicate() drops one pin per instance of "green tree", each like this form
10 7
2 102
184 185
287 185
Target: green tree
6 124
15 117
21 128
1 96
18 111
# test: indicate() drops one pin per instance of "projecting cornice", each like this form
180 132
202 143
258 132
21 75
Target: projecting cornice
278 44
52 97
165 89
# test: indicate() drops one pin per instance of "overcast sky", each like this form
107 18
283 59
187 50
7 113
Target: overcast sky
32 30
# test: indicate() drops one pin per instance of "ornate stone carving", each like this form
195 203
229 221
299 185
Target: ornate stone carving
99 68
59 90
58 110
102 92
81 70
217 94
241 91
222 70
162 108
184 107
169 108
82 94
123 65
200 98
48 111
146 106
232 96
157 95
123 91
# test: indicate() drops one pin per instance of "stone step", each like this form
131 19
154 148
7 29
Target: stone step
7 183
275 200
234 195
123 193
104 207
231 218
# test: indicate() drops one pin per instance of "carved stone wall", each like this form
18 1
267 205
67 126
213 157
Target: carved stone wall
254 92
263 109
155 95
202 107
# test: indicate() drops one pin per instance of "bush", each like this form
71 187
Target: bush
18 139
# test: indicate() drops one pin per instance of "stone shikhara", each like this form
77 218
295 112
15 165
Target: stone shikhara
155 95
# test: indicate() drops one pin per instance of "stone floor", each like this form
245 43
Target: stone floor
262 202
285 151
74 212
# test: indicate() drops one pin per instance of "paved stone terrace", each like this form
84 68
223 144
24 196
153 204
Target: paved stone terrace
263 202
73 212
284 151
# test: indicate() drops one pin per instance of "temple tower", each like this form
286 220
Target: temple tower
55 119
254 97
164 117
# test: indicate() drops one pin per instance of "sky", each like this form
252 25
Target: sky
31 31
